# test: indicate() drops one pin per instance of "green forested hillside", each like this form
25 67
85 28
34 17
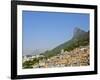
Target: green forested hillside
80 38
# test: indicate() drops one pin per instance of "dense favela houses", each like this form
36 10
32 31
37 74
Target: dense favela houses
77 57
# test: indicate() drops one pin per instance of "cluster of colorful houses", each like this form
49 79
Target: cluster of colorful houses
77 57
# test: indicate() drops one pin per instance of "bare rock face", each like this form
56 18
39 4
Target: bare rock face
77 33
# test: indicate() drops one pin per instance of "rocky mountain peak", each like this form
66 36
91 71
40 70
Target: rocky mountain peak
78 32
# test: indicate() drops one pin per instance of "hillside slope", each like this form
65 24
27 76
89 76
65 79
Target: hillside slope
80 38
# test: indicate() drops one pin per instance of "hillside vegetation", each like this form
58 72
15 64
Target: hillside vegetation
80 38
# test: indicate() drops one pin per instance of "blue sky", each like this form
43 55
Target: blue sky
46 30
